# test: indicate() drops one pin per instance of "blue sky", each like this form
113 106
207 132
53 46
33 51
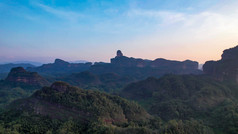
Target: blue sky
42 30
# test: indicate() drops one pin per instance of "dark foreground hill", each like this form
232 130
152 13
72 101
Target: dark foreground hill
189 97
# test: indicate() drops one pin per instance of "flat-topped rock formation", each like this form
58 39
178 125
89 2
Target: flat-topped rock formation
143 68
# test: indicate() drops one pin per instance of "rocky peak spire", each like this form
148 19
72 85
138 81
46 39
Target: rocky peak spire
119 53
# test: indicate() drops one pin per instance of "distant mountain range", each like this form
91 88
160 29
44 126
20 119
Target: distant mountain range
60 67
34 63
168 97
5 68
140 69
115 75
78 61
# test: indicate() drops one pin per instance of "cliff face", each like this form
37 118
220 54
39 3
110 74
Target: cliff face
230 54
190 65
124 61
121 65
144 68
225 69
19 76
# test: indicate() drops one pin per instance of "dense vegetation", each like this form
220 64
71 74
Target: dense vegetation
19 84
62 107
108 82
9 93
188 97
172 104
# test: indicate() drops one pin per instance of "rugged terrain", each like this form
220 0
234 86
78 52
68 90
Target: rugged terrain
175 97
225 69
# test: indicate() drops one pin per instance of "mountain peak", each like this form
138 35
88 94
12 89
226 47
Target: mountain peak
18 70
59 61
19 76
119 53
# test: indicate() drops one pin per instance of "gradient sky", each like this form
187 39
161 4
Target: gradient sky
42 30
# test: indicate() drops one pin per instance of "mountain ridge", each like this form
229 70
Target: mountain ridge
224 69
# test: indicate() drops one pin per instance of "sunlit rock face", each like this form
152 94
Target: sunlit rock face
225 69
19 75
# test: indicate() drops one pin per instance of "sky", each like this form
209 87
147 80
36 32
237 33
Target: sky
93 30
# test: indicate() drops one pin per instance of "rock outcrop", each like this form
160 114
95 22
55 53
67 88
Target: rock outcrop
19 76
119 53
143 68
225 69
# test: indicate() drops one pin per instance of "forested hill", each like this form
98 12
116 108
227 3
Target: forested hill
186 97
64 108
18 84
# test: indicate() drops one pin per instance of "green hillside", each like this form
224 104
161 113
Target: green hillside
64 108
187 97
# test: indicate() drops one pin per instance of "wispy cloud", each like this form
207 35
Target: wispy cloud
63 14
165 16
208 22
